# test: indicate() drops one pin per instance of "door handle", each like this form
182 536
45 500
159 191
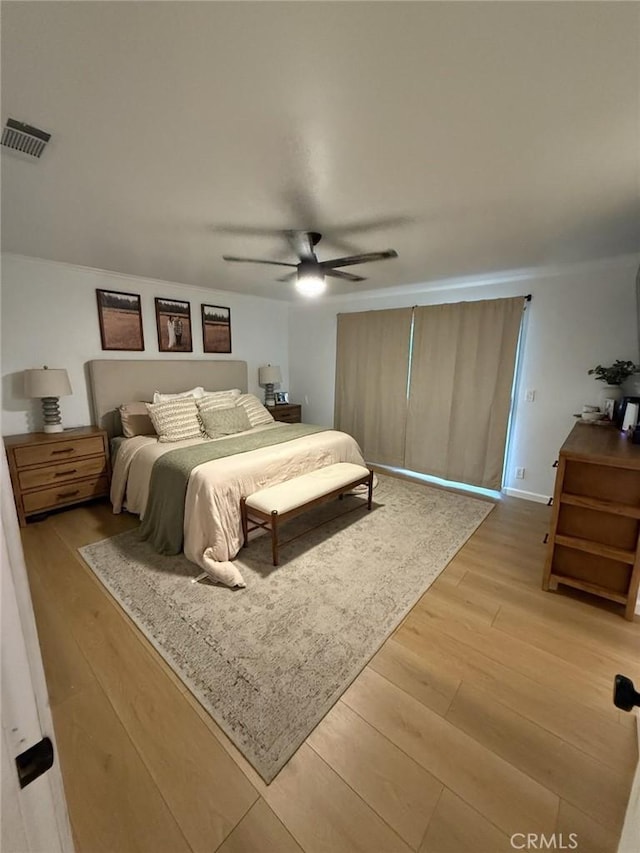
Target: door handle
625 695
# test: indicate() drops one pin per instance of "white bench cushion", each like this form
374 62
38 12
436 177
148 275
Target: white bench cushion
301 490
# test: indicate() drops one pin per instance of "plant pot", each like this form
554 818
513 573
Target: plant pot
610 392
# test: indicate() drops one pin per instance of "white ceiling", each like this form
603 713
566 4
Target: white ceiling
471 137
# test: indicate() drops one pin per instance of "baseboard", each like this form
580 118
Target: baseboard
527 496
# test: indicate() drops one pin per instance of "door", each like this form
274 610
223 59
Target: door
34 817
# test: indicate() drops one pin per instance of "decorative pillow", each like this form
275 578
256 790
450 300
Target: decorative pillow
198 391
254 409
219 422
135 420
231 392
175 420
219 400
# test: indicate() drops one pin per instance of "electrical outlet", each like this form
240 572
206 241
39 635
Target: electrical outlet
519 473
529 395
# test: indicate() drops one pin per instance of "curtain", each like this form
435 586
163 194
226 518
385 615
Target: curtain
462 368
372 364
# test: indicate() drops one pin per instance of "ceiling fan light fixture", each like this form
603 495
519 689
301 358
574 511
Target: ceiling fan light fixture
311 284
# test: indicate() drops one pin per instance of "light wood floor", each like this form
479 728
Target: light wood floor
487 713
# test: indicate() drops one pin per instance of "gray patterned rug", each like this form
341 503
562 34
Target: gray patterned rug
269 661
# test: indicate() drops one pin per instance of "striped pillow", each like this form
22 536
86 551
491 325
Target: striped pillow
232 392
175 420
254 408
219 400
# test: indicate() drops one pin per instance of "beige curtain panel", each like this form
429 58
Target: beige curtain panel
460 393
372 364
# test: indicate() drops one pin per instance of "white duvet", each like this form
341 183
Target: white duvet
212 526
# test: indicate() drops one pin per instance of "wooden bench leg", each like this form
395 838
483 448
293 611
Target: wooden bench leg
274 536
370 489
243 516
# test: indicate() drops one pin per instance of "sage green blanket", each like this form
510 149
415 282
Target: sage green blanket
163 523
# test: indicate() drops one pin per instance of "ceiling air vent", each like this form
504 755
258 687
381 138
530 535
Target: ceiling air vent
24 138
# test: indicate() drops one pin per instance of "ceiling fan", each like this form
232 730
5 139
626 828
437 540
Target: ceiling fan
310 272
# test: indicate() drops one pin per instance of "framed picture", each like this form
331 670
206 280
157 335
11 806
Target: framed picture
173 319
281 397
216 329
120 317
609 406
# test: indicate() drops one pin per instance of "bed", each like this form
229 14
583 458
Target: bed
211 533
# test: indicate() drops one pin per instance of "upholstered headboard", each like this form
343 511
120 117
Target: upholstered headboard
113 382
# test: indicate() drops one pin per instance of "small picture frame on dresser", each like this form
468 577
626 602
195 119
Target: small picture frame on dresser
282 397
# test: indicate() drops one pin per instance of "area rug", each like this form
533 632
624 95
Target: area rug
269 661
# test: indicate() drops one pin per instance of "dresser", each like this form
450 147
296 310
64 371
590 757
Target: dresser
289 413
51 470
594 541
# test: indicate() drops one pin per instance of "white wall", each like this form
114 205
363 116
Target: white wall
49 316
578 317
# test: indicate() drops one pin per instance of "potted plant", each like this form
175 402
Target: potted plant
615 374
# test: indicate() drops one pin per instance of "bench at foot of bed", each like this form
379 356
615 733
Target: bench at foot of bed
270 506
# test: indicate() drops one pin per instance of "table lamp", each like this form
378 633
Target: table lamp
268 377
49 386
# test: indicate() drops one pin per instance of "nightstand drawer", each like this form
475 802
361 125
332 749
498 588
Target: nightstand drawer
288 413
64 494
58 451
63 472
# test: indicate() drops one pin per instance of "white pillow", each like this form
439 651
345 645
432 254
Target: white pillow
175 420
198 391
258 414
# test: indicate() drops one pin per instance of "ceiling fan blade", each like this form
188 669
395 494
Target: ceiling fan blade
302 243
359 259
288 277
257 261
346 276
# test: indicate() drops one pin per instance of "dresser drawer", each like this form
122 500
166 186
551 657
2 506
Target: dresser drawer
64 494
62 472
58 451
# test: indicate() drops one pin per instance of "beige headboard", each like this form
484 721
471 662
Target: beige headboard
113 382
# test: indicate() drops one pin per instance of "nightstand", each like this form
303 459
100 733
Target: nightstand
51 470
288 413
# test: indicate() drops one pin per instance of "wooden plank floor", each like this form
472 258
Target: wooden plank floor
487 713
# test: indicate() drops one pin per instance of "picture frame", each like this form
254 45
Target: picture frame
173 322
120 318
281 397
216 328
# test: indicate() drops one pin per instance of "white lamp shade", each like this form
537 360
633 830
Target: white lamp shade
46 383
269 375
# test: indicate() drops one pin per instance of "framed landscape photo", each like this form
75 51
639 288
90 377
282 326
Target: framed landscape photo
173 319
216 328
120 317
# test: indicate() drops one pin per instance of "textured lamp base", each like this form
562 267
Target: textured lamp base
51 414
269 398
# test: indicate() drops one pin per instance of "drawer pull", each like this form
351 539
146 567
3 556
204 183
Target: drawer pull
555 464
68 494
546 539
550 502
64 450
65 473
